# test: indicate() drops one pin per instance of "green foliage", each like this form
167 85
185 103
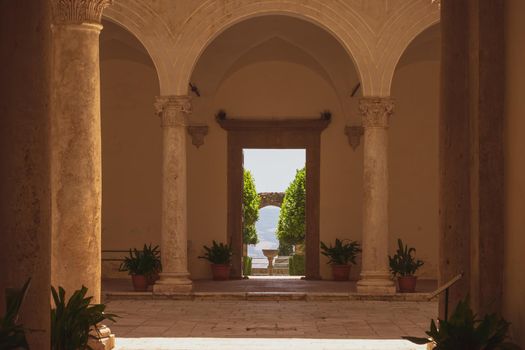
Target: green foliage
403 262
250 208
72 321
296 265
341 253
142 262
12 334
465 331
285 249
246 265
219 253
292 225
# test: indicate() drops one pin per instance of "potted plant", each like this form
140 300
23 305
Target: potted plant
141 266
404 265
153 253
465 331
341 256
219 255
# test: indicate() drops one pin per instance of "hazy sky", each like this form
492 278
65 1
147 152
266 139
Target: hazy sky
273 169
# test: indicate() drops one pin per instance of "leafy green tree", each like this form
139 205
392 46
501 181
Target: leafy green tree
292 227
250 207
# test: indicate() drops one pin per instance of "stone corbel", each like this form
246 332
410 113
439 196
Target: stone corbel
354 134
197 133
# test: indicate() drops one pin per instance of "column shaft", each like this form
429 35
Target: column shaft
76 147
174 278
25 231
375 276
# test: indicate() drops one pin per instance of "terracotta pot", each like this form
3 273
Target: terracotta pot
341 272
407 284
154 277
220 272
140 283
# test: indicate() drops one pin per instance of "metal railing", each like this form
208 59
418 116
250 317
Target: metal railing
113 251
445 288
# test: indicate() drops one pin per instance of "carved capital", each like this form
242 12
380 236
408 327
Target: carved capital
173 110
79 11
376 111
197 133
354 134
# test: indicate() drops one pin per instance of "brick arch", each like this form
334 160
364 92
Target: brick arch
214 17
271 199
149 28
395 37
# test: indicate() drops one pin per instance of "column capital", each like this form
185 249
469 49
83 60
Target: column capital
79 11
376 111
173 110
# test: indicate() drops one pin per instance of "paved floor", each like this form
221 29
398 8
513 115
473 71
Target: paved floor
205 324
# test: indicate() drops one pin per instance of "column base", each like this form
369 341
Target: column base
103 340
376 283
173 283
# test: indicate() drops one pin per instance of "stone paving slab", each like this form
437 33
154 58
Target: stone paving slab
174 323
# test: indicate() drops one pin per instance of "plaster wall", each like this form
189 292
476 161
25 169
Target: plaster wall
514 279
294 72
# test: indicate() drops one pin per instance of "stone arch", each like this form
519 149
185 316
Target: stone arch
397 34
149 28
271 199
213 17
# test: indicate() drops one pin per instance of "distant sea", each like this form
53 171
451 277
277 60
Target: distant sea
266 227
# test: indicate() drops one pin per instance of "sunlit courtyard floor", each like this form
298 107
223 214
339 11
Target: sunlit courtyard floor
231 324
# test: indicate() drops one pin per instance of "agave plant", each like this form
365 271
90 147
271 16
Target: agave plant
218 253
341 253
12 334
403 262
73 322
464 331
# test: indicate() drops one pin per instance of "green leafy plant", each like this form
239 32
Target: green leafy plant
291 228
250 208
153 254
246 265
74 322
403 262
296 265
341 253
142 262
464 331
12 334
218 253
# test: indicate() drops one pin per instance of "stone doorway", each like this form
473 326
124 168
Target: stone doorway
275 134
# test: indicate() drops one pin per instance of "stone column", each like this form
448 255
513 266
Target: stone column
25 228
75 146
375 276
173 112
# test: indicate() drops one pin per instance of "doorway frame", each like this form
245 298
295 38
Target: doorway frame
274 134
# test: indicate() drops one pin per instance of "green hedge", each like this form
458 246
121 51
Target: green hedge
246 265
296 265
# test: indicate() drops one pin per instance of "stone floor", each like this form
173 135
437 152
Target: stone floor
226 324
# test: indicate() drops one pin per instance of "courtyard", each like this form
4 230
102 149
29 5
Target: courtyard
234 324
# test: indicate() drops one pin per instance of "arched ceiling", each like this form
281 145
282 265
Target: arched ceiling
276 38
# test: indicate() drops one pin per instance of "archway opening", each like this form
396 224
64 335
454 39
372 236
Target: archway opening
274 193
131 152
